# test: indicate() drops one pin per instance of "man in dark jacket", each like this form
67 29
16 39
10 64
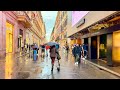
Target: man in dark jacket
73 50
77 53
85 50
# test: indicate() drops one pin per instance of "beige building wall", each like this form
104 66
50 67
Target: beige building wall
90 18
36 31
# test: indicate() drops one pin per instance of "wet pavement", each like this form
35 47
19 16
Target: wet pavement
25 68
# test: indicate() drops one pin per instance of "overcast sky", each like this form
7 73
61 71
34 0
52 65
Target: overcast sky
49 18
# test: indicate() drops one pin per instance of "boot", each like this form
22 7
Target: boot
58 63
52 67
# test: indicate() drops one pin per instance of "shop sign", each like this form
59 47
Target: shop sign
81 22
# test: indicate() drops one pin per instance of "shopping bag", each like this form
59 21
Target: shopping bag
58 56
77 58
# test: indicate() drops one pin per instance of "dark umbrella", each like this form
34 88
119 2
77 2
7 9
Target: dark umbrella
51 43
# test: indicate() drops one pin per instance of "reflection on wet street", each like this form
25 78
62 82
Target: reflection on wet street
25 68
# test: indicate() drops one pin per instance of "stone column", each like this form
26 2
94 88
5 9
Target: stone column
89 48
109 49
98 46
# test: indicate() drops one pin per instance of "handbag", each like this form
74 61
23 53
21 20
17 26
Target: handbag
58 56
77 58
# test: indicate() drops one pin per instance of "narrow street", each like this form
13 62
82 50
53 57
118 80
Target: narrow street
26 68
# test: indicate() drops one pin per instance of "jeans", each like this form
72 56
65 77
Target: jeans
78 59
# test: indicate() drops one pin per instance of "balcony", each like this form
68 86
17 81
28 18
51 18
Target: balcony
24 18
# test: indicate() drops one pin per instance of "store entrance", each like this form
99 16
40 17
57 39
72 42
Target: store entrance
94 47
103 47
86 43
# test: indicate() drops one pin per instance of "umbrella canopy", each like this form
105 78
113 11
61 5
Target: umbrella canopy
51 43
35 46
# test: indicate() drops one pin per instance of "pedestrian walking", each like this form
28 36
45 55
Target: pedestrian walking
43 51
67 49
77 53
25 48
84 46
35 54
73 50
53 55
58 56
47 47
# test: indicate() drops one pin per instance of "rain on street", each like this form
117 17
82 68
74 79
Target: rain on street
26 68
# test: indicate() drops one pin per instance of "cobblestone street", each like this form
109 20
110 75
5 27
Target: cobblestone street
26 68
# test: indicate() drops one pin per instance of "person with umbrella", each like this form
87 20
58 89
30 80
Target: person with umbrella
35 52
47 47
58 55
43 50
52 55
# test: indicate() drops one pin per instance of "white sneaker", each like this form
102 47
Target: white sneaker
76 63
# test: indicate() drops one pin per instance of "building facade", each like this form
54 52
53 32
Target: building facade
19 28
52 36
12 23
59 33
63 33
101 34
57 29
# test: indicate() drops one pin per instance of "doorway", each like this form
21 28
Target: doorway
9 38
94 47
86 42
103 47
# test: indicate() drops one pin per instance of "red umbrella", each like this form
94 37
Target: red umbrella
47 47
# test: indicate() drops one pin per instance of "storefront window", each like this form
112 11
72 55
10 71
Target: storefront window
103 48
116 47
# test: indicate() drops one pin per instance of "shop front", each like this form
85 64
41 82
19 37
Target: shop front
20 39
116 47
104 45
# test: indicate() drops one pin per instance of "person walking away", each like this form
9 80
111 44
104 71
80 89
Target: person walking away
37 48
52 55
73 50
77 52
58 56
67 49
47 47
80 55
84 50
25 48
35 54
43 50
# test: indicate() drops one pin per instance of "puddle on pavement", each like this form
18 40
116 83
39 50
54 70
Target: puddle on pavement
23 75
